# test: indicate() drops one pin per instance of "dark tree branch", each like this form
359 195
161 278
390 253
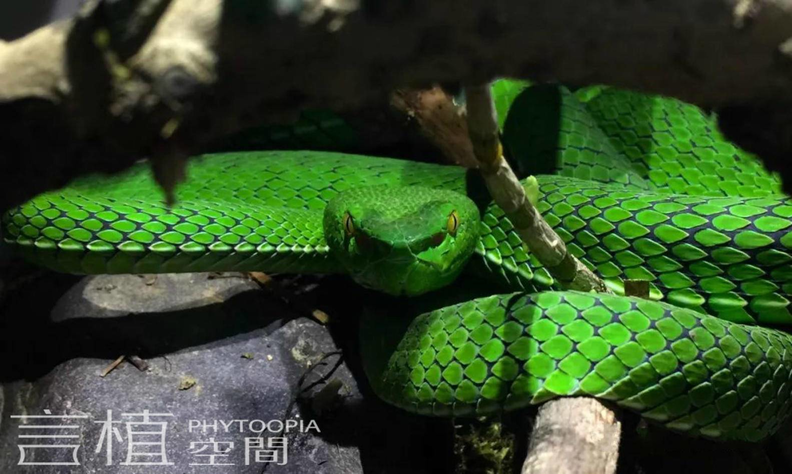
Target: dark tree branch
162 78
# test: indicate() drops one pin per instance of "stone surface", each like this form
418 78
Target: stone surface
218 349
238 353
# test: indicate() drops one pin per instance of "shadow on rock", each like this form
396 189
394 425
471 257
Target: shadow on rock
62 318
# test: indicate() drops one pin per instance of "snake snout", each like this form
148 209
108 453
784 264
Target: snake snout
374 249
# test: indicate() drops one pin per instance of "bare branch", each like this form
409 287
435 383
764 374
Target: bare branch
573 436
138 78
508 193
556 428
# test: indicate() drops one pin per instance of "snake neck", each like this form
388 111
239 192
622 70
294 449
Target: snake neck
70 233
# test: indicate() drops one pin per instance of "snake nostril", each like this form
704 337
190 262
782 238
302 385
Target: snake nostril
363 242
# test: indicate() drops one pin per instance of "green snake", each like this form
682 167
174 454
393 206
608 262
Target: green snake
638 187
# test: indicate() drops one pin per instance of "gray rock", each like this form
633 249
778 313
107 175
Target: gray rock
218 350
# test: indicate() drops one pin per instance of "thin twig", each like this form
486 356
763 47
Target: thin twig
139 363
509 194
268 283
299 390
548 454
112 366
638 288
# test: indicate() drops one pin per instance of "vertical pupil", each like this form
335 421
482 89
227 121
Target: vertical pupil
453 222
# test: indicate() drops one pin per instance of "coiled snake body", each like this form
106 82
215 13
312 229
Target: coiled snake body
638 187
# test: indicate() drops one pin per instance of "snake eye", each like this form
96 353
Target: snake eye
453 223
349 224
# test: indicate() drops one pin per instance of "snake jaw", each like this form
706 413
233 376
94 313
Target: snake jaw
439 266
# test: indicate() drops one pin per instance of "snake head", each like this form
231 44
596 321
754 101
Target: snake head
404 240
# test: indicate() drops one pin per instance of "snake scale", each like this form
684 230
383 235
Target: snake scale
638 187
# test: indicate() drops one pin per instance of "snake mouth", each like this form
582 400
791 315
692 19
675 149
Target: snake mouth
417 276
440 266
418 265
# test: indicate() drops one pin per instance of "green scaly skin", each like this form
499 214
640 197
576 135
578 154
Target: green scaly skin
688 371
727 255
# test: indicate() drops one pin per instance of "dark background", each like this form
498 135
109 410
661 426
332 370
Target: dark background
20 17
